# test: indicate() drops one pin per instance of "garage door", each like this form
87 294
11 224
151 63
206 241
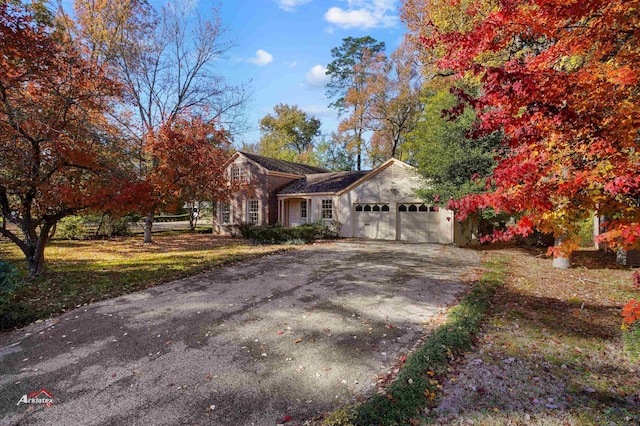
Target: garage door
373 221
422 223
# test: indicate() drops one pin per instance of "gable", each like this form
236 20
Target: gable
391 173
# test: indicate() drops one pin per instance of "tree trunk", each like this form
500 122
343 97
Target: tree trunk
35 259
148 227
193 216
34 245
561 260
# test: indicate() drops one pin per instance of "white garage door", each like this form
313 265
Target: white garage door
373 221
426 224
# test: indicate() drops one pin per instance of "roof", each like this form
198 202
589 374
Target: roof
283 166
323 182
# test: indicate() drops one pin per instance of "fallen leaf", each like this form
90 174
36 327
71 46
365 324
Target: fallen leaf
298 340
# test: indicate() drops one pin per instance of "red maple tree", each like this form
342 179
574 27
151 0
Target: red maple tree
560 80
191 157
55 153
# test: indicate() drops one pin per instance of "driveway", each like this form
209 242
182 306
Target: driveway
293 334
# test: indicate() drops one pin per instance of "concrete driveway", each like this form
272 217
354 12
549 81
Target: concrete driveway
293 334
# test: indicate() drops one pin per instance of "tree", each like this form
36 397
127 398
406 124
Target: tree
166 60
55 153
453 163
395 89
560 80
289 134
180 176
349 73
333 155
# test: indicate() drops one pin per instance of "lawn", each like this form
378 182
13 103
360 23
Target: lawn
551 351
80 272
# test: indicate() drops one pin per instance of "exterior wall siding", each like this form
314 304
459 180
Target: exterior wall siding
393 185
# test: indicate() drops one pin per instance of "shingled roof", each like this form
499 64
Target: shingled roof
283 166
323 182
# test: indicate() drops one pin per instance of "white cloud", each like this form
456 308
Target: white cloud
364 14
319 110
262 58
293 64
290 5
317 76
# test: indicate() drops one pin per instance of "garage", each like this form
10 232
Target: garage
426 224
374 220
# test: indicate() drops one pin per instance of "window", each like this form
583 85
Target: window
367 208
225 213
238 174
254 209
327 209
303 209
359 207
385 208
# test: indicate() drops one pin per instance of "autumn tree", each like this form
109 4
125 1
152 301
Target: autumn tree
180 176
56 156
166 59
288 134
560 80
349 72
395 89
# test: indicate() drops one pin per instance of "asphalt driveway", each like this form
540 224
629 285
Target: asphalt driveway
293 334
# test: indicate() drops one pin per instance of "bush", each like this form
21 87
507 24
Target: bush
72 228
277 234
10 280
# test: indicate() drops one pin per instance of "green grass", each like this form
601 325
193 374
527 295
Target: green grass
417 384
81 272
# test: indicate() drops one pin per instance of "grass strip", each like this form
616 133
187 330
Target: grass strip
417 383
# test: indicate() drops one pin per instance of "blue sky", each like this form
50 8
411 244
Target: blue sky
282 47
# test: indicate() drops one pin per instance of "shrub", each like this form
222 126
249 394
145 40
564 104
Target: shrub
10 280
278 234
72 228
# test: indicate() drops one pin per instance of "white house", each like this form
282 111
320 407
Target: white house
375 204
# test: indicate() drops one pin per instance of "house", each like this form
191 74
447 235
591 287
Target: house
375 204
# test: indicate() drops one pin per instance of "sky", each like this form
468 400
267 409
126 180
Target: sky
283 46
